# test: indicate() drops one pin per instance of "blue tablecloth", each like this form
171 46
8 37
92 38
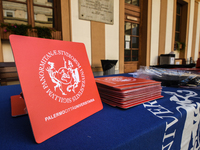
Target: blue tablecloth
172 122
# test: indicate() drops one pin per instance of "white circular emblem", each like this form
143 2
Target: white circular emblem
61 76
120 79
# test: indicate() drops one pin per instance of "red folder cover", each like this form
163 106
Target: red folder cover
121 81
57 83
18 106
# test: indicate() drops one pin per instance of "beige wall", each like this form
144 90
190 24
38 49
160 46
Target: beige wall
155 26
81 29
169 26
197 35
7 52
112 37
191 21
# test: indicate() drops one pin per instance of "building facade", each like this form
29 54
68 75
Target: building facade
139 32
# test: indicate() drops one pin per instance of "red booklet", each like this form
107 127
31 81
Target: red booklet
129 86
131 97
133 91
121 81
126 92
57 83
131 104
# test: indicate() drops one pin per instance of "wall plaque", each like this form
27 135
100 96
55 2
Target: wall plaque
96 10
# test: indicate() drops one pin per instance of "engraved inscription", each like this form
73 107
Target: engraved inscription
96 10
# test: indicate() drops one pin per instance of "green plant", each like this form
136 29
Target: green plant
16 29
183 45
43 32
179 45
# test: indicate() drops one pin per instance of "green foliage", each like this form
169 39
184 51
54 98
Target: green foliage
43 32
180 45
16 29
183 45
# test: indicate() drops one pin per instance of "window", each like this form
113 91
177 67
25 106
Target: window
178 22
50 19
15 12
33 12
181 22
9 14
42 11
133 2
132 36
131 41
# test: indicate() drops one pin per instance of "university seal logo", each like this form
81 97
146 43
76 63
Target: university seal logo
120 79
61 76
65 75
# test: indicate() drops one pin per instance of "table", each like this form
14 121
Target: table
172 122
175 66
192 70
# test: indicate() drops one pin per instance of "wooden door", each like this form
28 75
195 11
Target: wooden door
131 35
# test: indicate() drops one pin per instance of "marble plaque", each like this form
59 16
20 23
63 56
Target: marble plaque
96 10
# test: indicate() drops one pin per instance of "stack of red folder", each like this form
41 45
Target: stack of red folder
126 92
